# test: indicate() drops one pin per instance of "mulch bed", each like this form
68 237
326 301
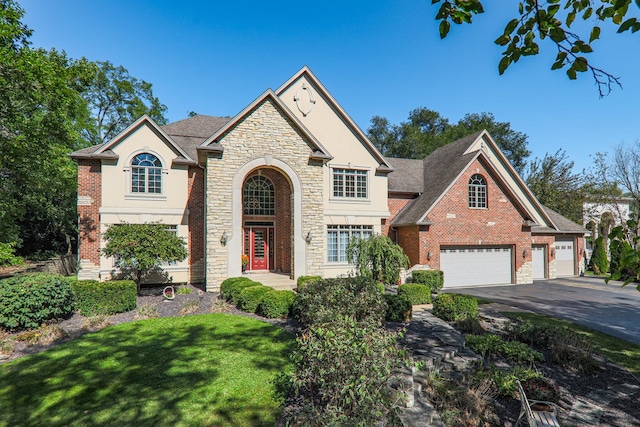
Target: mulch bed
574 386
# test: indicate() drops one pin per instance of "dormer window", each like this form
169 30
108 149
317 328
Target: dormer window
477 192
146 174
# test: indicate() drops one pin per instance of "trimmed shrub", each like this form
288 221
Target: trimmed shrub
249 298
599 262
515 351
230 288
432 278
453 307
276 304
398 308
326 300
305 280
28 300
116 296
417 294
229 284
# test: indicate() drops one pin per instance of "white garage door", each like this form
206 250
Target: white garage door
474 265
539 262
564 257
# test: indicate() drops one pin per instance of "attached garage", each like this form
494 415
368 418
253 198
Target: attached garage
565 257
476 265
539 261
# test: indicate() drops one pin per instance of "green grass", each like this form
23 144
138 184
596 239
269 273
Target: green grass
206 370
620 351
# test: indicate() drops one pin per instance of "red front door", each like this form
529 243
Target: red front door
258 249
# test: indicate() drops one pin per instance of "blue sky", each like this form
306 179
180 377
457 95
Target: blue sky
376 58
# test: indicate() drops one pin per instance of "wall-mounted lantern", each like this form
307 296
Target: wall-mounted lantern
224 238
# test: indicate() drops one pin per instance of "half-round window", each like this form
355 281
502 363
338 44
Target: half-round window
259 196
146 174
477 192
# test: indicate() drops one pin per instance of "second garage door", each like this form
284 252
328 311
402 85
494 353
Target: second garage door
565 257
476 265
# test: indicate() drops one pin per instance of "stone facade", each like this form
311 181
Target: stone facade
265 137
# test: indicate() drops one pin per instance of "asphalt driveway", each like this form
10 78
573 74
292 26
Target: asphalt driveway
588 301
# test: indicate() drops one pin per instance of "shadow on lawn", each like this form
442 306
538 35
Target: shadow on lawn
159 372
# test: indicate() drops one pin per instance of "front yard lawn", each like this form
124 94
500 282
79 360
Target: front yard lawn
204 370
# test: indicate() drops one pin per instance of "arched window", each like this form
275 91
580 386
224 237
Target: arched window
146 174
259 196
477 192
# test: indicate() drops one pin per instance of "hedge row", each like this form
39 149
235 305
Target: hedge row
253 297
116 296
28 300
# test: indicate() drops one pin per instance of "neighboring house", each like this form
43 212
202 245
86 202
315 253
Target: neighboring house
601 217
291 178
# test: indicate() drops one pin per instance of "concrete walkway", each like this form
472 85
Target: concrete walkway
437 344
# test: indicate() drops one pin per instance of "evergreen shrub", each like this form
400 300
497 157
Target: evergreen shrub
230 288
111 297
398 308
599 262
417 294
454 307
432 278
28 300
276 304
249 298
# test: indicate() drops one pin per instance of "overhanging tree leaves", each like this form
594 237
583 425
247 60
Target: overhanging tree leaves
552 20
140 249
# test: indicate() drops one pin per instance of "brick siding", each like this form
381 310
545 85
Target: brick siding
90 191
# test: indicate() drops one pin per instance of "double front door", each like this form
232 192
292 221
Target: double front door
258 246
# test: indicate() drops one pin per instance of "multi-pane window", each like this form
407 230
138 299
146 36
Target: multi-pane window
146 174
477 192
350 183
338 237
259 196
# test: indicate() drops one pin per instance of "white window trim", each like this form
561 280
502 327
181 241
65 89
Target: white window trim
347 199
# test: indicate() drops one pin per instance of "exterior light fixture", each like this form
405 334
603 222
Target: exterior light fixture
224 238
525 253
429 255
308 237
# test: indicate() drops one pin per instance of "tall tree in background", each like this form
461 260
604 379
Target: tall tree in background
554 183
51 105
536 21
40 112
426 130
512 143
116 99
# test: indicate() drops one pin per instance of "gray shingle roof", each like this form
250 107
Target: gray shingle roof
564 224
193 131
440 170
407 177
